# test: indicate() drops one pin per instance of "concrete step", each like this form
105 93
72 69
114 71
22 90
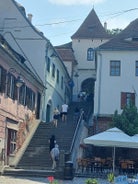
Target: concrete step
35 172
29 172
37 152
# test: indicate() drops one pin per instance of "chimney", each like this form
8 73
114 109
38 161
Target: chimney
30 17
105 26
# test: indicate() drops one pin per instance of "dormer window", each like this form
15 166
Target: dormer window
135 39
90 28
90 54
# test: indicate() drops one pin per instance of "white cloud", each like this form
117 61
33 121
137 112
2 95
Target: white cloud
76 2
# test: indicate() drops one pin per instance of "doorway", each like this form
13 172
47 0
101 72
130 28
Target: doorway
88 87
48 112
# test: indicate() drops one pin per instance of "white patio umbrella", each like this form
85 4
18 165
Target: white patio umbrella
113 137
135 138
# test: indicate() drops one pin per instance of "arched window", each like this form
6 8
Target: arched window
90 54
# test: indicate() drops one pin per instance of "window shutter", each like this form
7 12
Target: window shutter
15 95
4 73
123 99
3 80
8 84
133 98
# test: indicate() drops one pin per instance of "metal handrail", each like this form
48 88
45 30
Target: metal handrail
76 130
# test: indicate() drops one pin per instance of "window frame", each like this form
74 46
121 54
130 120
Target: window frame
22 94
127 98
53 70
115 67
13 138
30 98
90 54
136 68
62 82
48 64
3 74
57 76
11 86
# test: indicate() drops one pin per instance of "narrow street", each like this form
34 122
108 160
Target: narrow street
35 180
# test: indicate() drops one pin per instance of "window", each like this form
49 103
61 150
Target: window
48 64
115 68
22 92
2 79
127 99
62 82
57 76
90 54
12 138
53 70
11 87
30 98
136 68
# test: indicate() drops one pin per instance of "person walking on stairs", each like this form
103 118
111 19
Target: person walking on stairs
52 142
64 112
56 115
55 156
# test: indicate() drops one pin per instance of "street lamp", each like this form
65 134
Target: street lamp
19 82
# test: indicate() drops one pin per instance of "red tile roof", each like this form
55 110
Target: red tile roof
66 52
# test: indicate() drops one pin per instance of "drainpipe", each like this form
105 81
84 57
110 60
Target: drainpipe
5 144
99 90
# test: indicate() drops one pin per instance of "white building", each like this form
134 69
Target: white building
87 38
107 67
117 74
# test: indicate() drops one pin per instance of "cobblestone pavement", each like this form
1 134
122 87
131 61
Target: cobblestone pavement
35 180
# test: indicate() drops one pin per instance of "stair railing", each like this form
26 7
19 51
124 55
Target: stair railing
76 139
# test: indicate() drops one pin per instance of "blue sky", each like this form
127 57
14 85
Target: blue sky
60 19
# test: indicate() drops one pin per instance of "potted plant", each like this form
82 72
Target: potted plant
110 177
91 181
52 180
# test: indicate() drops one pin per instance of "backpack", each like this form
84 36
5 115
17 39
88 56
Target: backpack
56 158
56 153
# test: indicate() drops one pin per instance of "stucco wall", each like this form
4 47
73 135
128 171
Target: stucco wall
108 88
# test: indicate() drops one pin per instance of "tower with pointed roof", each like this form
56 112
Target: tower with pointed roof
90 35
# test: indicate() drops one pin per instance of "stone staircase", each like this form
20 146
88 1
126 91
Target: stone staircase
36 159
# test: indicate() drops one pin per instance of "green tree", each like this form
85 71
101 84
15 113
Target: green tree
127 121
114 31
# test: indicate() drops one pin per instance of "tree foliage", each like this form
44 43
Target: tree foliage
114 31
127 121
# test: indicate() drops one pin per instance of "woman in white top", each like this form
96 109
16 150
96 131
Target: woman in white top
64 112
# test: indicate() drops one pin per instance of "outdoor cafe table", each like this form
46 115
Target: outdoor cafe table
132 181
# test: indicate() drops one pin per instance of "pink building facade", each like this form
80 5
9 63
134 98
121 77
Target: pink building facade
20 101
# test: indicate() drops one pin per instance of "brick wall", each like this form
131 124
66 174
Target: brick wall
100 124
